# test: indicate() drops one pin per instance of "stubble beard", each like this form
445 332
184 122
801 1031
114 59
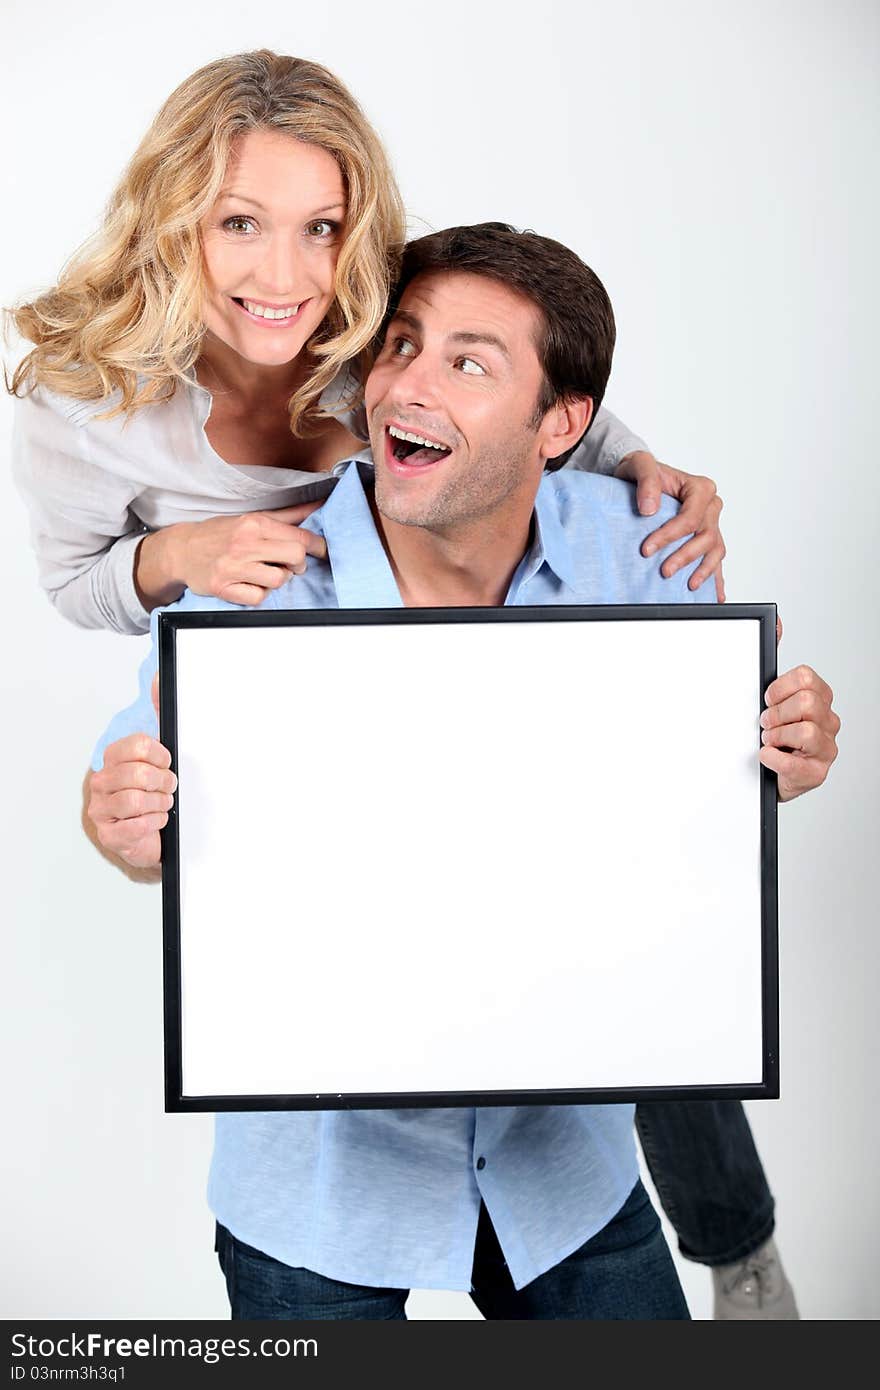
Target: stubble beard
459 501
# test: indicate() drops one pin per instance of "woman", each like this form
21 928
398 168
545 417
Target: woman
194 375
172 388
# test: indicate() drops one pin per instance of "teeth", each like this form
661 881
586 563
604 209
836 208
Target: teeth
413 438
262 312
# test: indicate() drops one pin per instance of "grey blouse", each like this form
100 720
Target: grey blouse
94 488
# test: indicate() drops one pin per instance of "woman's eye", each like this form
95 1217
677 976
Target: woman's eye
239 224
322 230
403 347
472 368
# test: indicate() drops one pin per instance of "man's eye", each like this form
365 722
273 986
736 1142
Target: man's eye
403 347
322 229
469 366
239 224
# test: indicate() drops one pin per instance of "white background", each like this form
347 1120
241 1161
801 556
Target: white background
716 164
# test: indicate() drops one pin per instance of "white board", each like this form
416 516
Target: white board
418 857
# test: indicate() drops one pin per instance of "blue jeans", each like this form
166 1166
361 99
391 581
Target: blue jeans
625 1271
709 1178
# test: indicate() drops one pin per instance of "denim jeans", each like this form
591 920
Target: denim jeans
623 1272
709 1178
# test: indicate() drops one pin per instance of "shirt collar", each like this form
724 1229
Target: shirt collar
550 545
362 576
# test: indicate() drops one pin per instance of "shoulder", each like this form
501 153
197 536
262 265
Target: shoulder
43 411
582 498
343 399
603 533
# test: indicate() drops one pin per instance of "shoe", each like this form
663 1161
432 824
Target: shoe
755 1288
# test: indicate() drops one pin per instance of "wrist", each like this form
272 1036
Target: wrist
628 466
158 566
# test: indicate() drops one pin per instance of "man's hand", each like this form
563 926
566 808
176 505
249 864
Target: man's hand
126 804
699 514
799 731
130 798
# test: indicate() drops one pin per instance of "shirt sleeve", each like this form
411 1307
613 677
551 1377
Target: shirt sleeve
606 442
82 528
140 716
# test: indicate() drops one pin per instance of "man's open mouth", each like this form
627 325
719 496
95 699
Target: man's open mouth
415 449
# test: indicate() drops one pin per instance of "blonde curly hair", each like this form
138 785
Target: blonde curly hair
126 314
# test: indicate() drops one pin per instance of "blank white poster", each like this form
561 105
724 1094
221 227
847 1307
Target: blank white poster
467 857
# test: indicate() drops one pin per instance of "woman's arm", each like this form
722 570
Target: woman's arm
100 566
83 531
606 444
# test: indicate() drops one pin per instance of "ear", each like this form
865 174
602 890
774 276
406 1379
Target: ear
563 425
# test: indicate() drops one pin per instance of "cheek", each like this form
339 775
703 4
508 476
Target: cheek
325 270
376 388
220 264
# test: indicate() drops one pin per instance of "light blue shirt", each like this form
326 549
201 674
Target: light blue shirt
390 1198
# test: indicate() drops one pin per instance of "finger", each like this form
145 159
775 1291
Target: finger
794 774
648 490
249 595
145 777
288 549
124 835
129 804
711 564
799 678
280 534
686 554
720 590
137 748
778 629
805 738
258 575
154 693
294 515
804 704
670 531
699 512
147 855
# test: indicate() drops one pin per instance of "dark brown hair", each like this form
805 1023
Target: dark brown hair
576 341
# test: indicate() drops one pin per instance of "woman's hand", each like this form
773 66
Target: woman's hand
698 517
237 558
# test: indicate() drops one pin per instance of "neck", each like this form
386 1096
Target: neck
469 565
220 369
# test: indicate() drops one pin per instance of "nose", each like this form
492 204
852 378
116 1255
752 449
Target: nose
281 267
418 384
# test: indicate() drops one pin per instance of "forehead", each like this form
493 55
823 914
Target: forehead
454 301
276 169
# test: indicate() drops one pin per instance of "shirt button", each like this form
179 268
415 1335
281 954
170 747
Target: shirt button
481 1162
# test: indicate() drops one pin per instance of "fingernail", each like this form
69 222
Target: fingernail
765 720
648 508
650 547
764 736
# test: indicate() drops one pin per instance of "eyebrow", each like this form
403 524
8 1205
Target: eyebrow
243 198
487 339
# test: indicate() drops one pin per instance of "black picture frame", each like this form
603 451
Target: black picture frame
170 623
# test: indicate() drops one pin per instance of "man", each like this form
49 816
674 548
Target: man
497 352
